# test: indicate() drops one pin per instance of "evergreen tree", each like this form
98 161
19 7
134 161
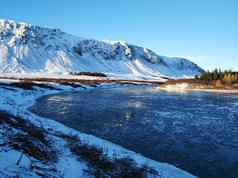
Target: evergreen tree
226 76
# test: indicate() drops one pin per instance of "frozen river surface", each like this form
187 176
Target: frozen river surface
197 132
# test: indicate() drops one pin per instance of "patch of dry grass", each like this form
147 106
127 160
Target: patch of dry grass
102 166
26 85
93 74
28 138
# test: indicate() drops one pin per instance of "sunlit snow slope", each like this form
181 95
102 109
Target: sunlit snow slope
26 48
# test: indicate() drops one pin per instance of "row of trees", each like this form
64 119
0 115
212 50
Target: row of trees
226 76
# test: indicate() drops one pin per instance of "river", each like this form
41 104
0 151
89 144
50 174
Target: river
195 131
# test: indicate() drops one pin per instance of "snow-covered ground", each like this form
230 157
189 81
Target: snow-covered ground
26 48
50 76
16 101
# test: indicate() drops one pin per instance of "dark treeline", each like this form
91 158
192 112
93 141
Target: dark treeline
227 76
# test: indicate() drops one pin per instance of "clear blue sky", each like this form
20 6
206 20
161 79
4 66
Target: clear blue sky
206 31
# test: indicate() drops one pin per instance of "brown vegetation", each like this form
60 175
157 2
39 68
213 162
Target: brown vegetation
26 85
100 165
32 81
94 74
28 138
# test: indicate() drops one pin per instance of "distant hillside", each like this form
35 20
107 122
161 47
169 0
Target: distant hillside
26 48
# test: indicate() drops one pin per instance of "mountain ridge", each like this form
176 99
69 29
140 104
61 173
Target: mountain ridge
26 48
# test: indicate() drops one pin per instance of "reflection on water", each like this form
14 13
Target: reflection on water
197 132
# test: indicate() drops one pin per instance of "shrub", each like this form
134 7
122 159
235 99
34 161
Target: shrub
29 138
32 147
100 165
96 74
27 85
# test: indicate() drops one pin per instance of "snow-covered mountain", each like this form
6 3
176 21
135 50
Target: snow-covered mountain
26 48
